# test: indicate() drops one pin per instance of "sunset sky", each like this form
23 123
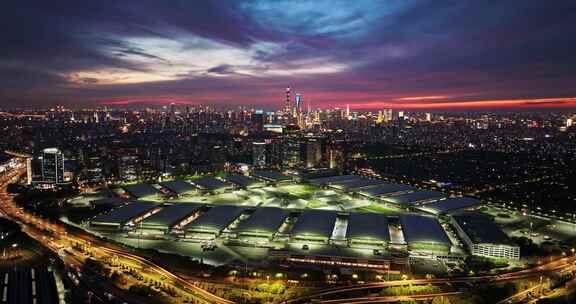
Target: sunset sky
401 54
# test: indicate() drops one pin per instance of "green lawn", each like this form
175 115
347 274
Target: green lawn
315 204
224 198
298 189
429 247
190 177
375 208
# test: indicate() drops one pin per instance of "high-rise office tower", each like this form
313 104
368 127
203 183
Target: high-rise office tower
342 113
269 118
28 170
288 101
172 113
128 167
336 155
274 152
107 116
258 120
291 151
380 117
259 154
387 113
317 118
313 152
52 166
172 108
298 103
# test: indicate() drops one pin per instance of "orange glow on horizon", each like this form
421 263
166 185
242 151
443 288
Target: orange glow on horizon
475 104
435 102
148 101
436 97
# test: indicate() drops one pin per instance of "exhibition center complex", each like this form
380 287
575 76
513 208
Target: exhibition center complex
272 210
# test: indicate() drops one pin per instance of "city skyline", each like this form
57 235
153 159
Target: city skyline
287 151
413 55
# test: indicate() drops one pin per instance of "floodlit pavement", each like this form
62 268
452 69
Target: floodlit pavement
396 235
340 227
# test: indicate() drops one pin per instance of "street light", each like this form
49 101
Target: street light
540 285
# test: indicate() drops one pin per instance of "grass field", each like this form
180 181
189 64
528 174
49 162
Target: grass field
429 247
224 198
376 208
298 190
315 204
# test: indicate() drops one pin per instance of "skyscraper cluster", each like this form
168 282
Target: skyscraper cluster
293 109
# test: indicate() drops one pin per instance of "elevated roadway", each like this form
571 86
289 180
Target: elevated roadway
33 225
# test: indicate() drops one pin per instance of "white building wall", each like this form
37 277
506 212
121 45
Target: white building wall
496 251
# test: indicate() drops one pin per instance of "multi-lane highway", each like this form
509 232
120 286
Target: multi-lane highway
34 226
519 296
547 268
390 299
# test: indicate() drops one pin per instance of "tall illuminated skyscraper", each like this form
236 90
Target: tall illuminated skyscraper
288 101
298 102
259 154
291 151
313 152
172 113
107 115
52 166
387 115
258 120
28 170
128 167
380 117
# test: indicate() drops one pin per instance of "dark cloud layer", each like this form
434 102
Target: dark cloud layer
245 52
